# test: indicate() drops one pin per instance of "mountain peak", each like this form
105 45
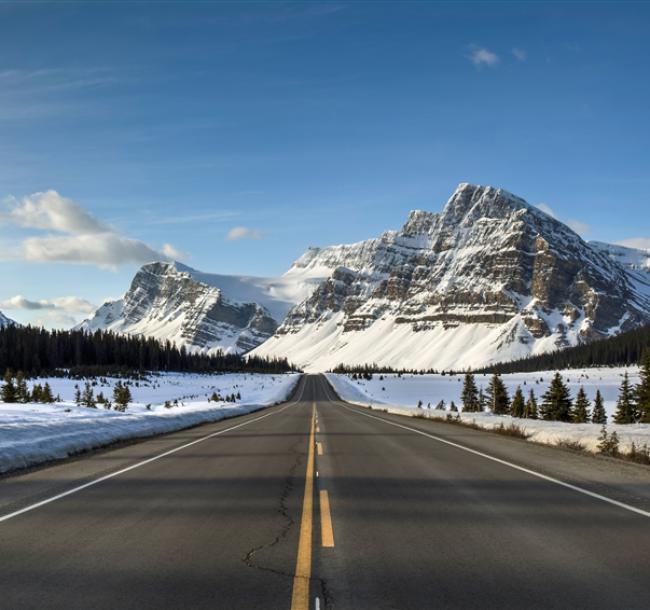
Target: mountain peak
487 198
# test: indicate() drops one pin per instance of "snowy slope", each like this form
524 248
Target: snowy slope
488 279
33 433
5 321
170 301
402 394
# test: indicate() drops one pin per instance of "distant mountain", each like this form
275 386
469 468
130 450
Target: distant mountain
633 259
490 278
202 311
5 321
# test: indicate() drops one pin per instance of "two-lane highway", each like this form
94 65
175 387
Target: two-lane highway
317 503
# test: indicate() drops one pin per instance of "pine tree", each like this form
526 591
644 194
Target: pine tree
580 412
77 395
8 388
518 404
642 390
121 396
453 407
47 393
469 395
497 396
598 415
625 407
482 401
88 399
556 402
37 393
530 412
22 393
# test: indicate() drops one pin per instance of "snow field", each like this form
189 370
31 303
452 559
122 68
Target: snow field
401 395
32 433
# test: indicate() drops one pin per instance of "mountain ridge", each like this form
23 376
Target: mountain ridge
490 276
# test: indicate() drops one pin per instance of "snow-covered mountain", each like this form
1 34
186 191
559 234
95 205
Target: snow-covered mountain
489 278
633 259
170 301
5 321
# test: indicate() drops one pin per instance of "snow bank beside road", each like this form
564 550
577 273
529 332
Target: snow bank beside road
33 433
400 395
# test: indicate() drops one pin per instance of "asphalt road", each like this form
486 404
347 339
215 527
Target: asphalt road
317 503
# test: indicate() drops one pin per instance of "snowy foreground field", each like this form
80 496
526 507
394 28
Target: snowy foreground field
32 433
402 394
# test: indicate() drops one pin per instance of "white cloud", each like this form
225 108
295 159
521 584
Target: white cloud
75 235
483 57
547 209
173 253
581 228
70 304
50 211
243 233
107 250
520 54
642 243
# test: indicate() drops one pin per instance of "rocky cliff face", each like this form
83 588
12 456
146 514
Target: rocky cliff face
487 279
173 302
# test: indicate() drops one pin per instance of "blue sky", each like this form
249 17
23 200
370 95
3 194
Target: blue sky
130 131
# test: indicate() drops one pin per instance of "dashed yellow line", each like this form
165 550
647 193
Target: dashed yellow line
327 532
302 575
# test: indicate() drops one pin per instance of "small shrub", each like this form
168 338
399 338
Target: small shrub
569 443
511 429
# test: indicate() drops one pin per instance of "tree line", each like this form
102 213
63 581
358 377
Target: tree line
36 351
632 405
625 349
621 350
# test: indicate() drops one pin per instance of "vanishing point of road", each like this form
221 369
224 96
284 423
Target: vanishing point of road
317 503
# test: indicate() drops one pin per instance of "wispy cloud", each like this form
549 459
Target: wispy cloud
547 209
74 234
580 227
520 54
642 243
69 304
480 56
237 233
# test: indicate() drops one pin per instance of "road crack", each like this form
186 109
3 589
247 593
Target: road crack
249 558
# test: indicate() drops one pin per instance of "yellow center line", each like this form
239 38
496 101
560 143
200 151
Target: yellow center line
319 448
327 532
302 575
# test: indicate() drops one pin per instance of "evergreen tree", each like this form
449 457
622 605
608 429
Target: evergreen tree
47 393
598 415
625 407
453 407
482 401
77 395
556 402
121 396
22 393
580 412
497 395
8 388
642 390
530 412
88 398
518 404
469 395
37 393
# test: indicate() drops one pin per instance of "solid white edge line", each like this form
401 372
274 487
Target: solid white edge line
79 488
534 473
